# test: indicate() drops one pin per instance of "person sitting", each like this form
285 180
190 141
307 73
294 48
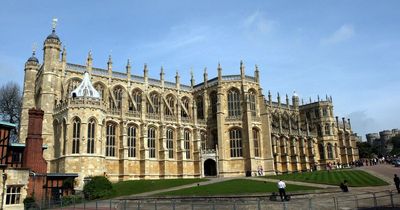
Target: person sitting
344 186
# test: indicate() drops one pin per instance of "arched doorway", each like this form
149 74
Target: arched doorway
210 168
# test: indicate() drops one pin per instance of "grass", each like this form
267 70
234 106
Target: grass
141 186
234 187
355 178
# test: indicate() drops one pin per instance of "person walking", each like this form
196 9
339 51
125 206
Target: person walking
397 182
281 187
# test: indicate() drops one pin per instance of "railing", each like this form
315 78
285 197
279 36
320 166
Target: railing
186 119
153 116
330 201
171 118
234 118
80 102
135 114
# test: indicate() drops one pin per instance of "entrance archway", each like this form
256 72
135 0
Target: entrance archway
210 168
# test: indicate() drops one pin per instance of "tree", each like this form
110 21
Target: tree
10 102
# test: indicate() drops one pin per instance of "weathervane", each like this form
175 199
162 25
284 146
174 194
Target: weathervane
54 23
34 48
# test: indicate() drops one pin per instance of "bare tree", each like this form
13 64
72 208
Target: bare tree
10 102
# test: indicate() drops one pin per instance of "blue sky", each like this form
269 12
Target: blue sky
347 49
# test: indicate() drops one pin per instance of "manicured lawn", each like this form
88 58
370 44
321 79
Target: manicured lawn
355 178
234 187
140 186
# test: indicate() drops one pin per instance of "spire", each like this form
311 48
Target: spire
279 99
287 100
219 72
242 73
205 76
64 54
109 63
257 74
269 95
89 62
128 67
33 57
177 79
162 73
191 78
145 71
318 97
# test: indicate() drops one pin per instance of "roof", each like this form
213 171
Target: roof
53 35
85 89
7 124
62 175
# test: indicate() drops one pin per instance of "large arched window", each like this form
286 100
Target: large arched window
91 136
203 138
321 151
151 142
170 143
169 109
214 101
235 138
131 141
110 140
137 98
256 140
327 129
252 103
117 104
200 109
187 143
76 135
234 103
153 105
329 150
100 89
185 111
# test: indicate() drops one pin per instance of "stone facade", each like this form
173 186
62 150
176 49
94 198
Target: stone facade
146 128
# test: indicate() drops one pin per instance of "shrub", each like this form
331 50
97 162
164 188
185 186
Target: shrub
98 187
29 202
71 199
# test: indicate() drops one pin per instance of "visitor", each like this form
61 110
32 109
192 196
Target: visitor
397 182
282 192
345 186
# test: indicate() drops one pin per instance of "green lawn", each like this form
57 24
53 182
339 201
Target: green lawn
234 187
141 186
355 178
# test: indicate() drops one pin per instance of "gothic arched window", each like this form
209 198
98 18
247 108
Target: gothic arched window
329 150
91 136
234 103
151 142
200 109
131 141
185 111
76 135
110 140
256 140
203 138
169 110
137 99
170 143
153 105
187 143
235 139
214 101
253 103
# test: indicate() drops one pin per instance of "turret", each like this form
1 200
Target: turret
109 65
52 48
287 101
28 102
269 97
279 99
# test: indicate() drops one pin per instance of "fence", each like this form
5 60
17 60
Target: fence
384 199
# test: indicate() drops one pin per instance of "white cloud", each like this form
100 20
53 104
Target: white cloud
345 32
258 22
